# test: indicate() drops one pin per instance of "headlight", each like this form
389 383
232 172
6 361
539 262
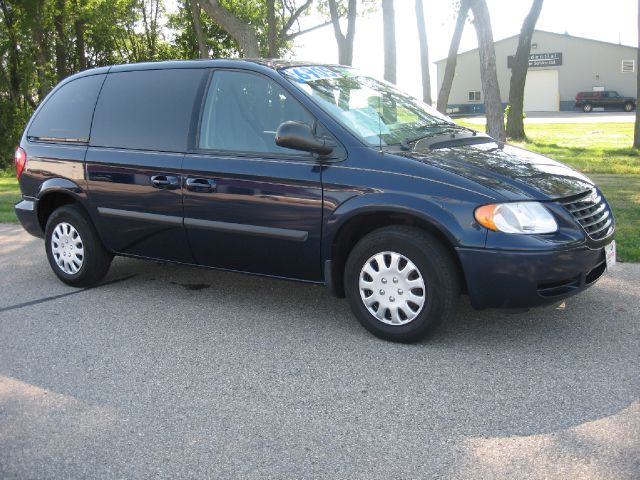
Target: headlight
521 217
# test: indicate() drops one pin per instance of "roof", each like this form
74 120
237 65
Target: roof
563 35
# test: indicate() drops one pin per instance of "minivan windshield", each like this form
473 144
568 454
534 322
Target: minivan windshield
373 110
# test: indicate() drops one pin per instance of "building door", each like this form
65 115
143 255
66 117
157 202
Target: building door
541 93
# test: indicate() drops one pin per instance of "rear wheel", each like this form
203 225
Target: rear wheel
74 250
587 107
401 283
628 107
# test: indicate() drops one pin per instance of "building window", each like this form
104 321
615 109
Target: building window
628 66
474 96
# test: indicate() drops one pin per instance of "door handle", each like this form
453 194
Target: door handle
203 185
165 182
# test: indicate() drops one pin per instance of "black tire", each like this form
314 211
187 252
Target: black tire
587 107
435 264
628 107
95 260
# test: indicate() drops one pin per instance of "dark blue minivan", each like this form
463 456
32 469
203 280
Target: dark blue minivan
315 173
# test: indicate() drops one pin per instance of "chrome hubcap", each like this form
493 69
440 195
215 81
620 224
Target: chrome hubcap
67 248
392 288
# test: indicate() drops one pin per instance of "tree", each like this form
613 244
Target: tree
344 40
194 8
488 73
424 53
636 132
515 123
217 42
241 31
245 22
452 58
389 40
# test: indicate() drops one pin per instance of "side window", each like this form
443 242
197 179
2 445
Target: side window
147 109
66 115
242 112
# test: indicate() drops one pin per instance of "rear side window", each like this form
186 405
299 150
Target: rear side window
147 110
66 115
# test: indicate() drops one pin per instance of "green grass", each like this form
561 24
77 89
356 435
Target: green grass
623 194
599 150
9 196
588 147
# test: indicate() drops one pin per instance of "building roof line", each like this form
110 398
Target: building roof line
544 31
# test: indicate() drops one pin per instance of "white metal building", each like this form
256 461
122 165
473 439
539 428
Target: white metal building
560 66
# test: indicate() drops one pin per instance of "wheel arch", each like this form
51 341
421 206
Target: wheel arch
56 192
350 229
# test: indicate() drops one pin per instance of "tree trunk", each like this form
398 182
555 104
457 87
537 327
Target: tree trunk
344 41
515 123
272 29
452 58
488 75
636 133
15 79
424 53
197 28
79 27
242 33
61 47
389 40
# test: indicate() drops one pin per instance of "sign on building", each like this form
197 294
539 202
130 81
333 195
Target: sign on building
540 60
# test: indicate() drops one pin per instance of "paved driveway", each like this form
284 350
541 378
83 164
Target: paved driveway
171 372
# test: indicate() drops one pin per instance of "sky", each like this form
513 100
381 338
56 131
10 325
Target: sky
613 21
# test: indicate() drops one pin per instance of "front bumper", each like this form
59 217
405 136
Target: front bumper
521 279
26 213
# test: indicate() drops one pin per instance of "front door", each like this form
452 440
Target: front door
250 205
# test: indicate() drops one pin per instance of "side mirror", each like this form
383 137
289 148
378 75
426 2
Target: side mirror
298 136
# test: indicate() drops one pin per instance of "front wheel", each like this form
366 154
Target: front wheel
586 108
401 283
628 107
74 251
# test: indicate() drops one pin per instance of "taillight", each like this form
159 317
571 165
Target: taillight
21 161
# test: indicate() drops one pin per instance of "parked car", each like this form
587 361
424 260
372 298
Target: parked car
314 173
587 101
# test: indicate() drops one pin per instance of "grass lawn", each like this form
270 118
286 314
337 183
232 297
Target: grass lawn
588 147
598 149
9 196
623 194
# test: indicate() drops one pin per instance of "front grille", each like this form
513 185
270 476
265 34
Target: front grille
591 212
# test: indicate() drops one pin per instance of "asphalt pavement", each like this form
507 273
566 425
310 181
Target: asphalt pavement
174 372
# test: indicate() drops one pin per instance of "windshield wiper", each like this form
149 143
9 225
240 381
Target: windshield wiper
444 126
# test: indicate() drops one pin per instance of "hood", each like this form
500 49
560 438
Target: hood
510 171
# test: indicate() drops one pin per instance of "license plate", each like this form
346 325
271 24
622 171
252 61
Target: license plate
610 254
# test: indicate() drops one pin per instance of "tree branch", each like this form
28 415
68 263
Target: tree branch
295 15
291 36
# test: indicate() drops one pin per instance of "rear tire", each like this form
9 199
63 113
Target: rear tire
389 302
587 107
74 250
628 107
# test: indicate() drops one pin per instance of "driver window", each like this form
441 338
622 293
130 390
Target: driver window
243 111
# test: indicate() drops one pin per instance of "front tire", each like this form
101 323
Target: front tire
401 283
628 107
587 107
74 250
